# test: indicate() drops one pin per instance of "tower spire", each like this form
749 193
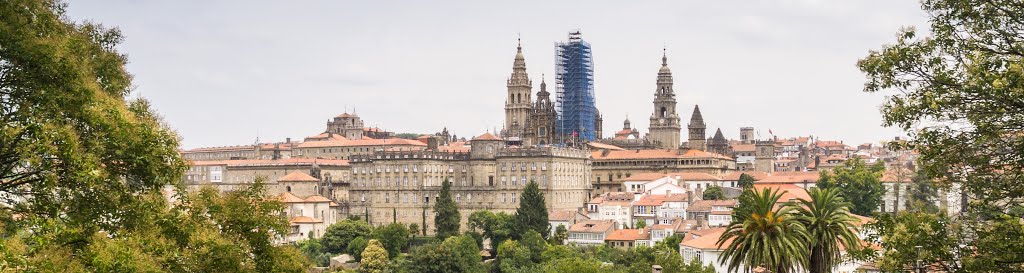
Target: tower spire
664 57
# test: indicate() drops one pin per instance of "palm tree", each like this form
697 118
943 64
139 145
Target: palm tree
826 217
763 234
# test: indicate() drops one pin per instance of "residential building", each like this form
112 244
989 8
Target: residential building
590 232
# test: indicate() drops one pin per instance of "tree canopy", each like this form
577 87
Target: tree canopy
446 218
713 193
532 213
857 182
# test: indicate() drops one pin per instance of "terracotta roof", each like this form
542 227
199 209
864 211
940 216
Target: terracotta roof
220 149
650 200
735 176
648 154
628 235
707 241
297 177
317 198
334 204
790 177
743 148
304 220
789 191
891 175
592 226
325 136
705 205
287 197
272 162
486 136
562 215
598 145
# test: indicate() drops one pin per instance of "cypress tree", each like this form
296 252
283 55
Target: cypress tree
533 212
446 218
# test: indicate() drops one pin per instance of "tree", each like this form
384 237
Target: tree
314 252
746 181
454 254
923 193
763 235
497 227
640 224
828 223
446 218
374 258
671 242
356 247
714 193
532 213
957 94
899 235
561 234
577 265
858 183
338 235
393 237
534 242
513 257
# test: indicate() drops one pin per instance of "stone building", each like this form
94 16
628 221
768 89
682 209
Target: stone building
345 148
402 186
230 175
277 150
351 126
665 127
540 127
718 144
696 127
611 167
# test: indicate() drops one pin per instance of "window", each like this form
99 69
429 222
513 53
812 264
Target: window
458 198
503 198
513 197
502 180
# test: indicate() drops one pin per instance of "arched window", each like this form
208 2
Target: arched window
663 111
288 188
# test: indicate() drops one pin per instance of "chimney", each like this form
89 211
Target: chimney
689 198
817 161
288 140
700 221
655 269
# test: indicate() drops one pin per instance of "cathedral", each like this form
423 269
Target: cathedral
529 122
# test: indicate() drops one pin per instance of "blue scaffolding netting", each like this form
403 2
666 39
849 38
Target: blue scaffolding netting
574 78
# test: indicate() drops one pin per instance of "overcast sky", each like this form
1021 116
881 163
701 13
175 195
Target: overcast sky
221 72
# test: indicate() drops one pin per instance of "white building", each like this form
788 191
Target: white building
590 232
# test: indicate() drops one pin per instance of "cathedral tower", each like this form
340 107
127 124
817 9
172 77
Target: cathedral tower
665 129
697 127
540 127
518 103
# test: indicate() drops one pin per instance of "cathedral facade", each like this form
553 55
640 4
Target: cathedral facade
664 126
530 122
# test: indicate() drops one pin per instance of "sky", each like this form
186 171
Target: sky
229 72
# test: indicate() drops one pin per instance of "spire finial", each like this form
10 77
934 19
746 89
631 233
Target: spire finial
519 42
664 56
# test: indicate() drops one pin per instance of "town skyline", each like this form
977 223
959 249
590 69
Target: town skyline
276 88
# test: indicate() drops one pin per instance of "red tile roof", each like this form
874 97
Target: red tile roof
592 226
297 177
486 136
304 220
317 198
628 235
287 197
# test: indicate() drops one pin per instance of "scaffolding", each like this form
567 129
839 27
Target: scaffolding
574 80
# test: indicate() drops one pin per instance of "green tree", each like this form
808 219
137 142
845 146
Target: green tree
513 257
532 213
338 235
899 235
446 218
374 258
454 254
746 181
858 183
671 242
763 235
575 264
828 223
923 193
640 224
957 96
497 227
393 237
534 242
559 252
561 234
313 250
356 247
714 193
